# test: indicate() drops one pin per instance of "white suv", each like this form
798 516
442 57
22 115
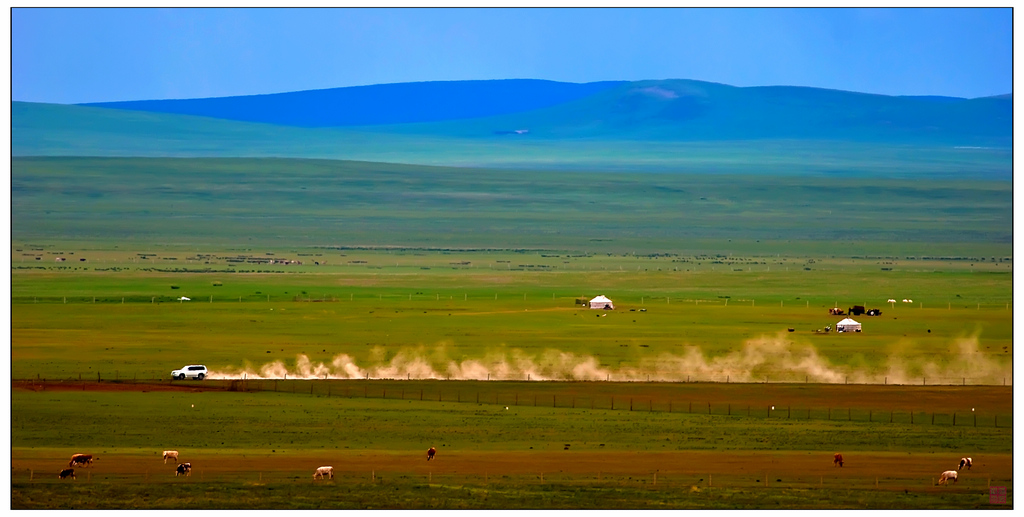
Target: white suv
192 371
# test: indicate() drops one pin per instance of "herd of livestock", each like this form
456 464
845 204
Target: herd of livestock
327 471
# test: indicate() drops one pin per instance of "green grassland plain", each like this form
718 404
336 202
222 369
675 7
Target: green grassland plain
458 269
131 321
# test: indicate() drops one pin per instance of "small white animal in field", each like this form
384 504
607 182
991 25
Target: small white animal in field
946 476
326 471
506 408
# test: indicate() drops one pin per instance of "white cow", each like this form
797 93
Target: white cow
946 476
170 455
963 462
326 471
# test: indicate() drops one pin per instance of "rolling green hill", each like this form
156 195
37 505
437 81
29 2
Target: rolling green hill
271 202
61 130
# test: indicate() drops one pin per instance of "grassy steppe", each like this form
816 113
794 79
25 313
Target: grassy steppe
472 273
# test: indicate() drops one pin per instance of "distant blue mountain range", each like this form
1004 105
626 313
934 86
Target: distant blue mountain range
663 110
400 103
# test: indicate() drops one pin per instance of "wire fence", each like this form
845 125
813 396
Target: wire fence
764 479
624 304
439 392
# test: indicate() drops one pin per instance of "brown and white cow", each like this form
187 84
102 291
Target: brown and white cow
170 455
430 453
963 462
66 473
946 476
80 459
837 460
326 471
184 469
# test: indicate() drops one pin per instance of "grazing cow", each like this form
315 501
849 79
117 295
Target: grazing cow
64 474
837 460
963 462
430 453
324 472
183 469
80 459
170 455
946 476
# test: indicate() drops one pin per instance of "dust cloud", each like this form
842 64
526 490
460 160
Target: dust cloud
763 359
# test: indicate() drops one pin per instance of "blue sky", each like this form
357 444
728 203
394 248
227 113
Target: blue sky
96 55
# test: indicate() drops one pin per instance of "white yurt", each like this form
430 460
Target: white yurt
601 302
847 325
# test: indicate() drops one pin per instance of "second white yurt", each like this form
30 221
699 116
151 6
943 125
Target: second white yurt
847 325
